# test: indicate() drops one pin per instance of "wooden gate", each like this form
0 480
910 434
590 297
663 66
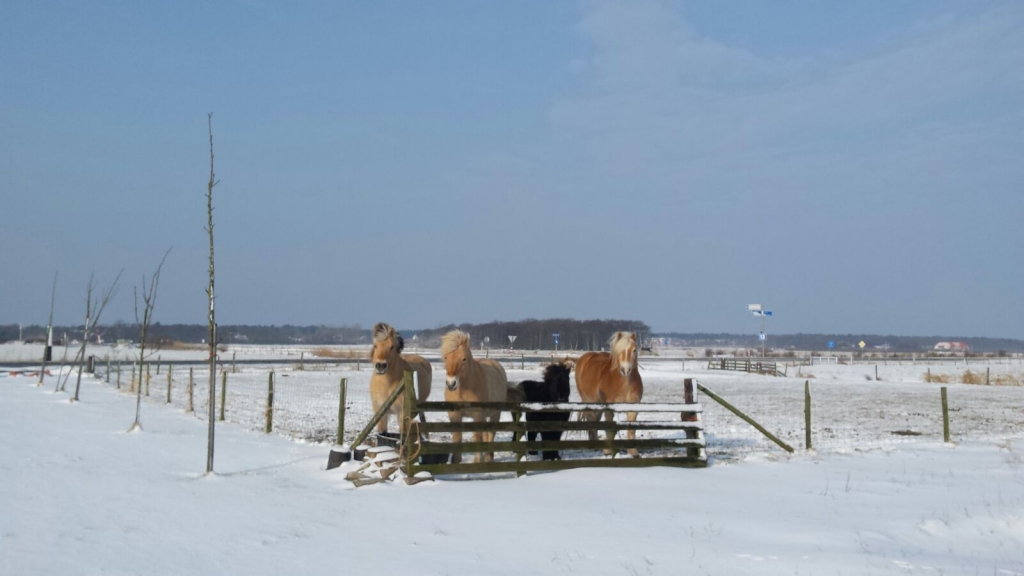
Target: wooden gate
681 443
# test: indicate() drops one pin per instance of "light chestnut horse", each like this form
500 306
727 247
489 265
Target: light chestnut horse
610 377
389 366
470 380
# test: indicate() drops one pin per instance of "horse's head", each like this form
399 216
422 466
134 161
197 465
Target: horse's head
387 343
624 351
456 354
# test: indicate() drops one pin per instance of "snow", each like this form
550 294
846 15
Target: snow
79 495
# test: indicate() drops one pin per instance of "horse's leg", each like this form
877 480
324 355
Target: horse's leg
489 436
631 434
456 418
609 433
479 436
591 415
382 424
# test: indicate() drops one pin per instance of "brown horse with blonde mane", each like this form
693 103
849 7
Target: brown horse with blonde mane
471 380
611 377
389 366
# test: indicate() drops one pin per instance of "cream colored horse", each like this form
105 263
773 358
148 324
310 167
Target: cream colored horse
389 366
610 377
470 380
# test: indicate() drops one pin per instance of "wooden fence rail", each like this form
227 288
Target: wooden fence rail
685 448
755 366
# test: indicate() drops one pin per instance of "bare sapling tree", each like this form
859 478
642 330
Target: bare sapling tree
143 322
47 348
63 360
211 319
93 310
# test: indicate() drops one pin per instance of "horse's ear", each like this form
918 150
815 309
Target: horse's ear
400 342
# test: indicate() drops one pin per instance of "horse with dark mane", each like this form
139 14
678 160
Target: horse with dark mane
554 388
389 366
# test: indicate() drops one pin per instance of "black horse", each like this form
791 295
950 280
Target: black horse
554 388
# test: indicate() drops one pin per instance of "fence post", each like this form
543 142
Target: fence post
147 379
191 407
158 362
169 370
91 368
988 374
341 411
522 361
807 414
118 374
359 361
223 392
270 402
945 416
108 369
302 360
407 422
876 372
132 388
691 452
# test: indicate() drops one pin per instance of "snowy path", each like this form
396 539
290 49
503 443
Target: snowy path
79 496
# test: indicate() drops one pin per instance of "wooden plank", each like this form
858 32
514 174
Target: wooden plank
689 398
745 418
561 426
624 444
556 406
807 414
945 416
546 465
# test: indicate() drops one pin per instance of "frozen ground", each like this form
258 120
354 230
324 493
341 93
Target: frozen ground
79 495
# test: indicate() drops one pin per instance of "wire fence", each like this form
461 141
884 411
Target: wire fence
850 410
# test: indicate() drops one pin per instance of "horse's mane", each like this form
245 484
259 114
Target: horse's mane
619 341
556 376
452 341
554 371
382 331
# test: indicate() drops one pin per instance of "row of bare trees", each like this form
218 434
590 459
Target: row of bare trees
145 305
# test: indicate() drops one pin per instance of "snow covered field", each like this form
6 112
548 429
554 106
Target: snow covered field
78 495
851 411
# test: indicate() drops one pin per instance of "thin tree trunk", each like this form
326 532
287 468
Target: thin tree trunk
211 318
49 332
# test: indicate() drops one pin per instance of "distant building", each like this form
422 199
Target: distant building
952 347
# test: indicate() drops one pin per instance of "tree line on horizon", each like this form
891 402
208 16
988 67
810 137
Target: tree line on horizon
531 334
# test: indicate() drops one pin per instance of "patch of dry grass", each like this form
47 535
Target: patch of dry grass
1006 380
347 353
969 377
937 378
176 345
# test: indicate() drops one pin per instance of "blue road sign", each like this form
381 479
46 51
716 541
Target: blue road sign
556 337
831 344
767 312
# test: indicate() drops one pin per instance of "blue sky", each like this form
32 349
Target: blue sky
854 166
